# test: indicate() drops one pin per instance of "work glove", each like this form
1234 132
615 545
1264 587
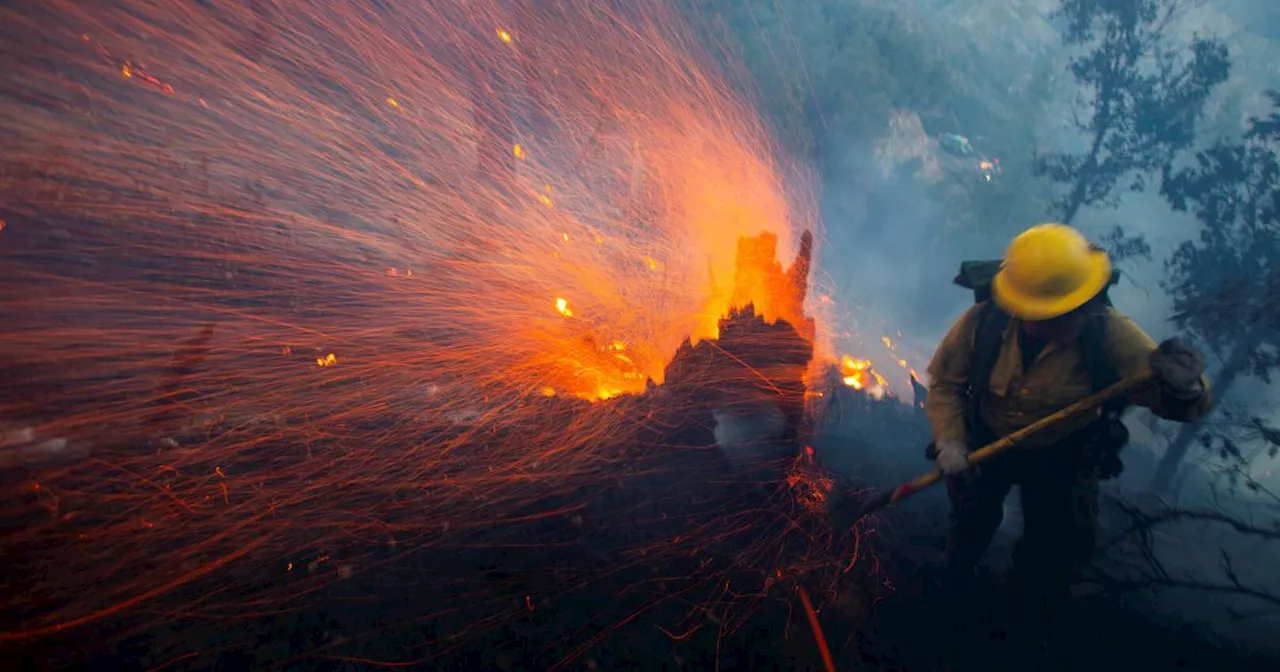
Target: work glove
1178 368
952 457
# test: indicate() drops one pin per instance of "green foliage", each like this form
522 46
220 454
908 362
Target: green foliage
1229 275
1226 123
1144 98
1225 284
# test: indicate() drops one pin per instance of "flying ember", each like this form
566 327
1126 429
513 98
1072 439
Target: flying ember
577 194
858 374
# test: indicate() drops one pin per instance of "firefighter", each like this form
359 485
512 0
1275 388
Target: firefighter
1048 337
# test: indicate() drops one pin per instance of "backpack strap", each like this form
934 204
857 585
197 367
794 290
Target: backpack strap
1109 435
1101 373
988 338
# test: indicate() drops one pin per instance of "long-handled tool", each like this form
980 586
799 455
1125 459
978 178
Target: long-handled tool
994 448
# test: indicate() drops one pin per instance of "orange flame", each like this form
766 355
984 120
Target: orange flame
276 189
858 374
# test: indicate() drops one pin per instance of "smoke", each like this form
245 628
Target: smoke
752 435
883 232
899 222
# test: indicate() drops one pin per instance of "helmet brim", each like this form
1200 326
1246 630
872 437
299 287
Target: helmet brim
1037 308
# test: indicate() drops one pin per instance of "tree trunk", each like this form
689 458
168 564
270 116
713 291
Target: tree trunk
1227 376
1090 164
1102 126
1077 200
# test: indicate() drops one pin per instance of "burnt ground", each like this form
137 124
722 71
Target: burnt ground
887 617
908 631
675 564
911 626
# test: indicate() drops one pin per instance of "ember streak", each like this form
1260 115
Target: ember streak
310 279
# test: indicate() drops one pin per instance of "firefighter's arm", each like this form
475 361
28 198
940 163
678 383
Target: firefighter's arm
1129 349
948 376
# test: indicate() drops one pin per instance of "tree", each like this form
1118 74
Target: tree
1142 98
1225 284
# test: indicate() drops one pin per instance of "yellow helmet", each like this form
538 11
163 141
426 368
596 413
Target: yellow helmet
1049 270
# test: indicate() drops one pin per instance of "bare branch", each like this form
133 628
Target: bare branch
1136 563
1145 520
1233 588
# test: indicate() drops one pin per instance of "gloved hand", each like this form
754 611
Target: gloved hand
952 456
1178 368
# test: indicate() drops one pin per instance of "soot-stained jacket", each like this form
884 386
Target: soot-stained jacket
1057 378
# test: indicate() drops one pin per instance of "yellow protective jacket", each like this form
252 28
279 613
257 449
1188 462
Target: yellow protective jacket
1016 398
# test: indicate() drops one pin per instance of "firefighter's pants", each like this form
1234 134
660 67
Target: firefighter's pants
1060 512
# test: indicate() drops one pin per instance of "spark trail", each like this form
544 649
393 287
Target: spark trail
304 274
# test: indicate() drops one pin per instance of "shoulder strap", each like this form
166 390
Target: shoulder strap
988 337
1101 372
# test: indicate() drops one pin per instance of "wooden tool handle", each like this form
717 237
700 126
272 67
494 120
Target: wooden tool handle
998 446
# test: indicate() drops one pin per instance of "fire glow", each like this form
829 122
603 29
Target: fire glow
858 374
258 186
300 263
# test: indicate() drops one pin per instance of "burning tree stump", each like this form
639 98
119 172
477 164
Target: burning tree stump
763 350
760 281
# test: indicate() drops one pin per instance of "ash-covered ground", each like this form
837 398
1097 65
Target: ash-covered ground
692 554
682 553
